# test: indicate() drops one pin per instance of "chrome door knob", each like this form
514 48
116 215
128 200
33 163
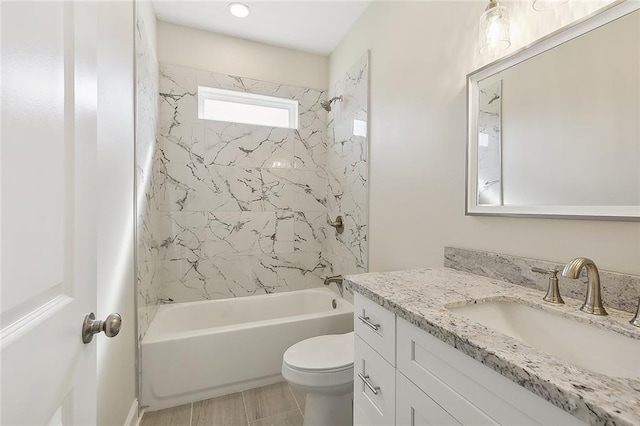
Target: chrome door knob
90 326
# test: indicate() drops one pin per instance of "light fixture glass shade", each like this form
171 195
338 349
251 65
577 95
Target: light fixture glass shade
495 36
547 4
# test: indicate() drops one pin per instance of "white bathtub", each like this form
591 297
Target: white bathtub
199 350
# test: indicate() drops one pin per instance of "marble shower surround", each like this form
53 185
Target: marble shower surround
243 208
348 173
489 161
147 255
619 291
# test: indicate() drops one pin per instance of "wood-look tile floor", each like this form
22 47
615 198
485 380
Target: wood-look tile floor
273 405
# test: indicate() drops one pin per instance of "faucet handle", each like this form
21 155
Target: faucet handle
553 291
552 272
636 318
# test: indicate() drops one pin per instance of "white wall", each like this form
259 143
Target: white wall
420 55
193 48
116 357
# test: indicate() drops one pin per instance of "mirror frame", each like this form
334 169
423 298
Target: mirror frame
597 19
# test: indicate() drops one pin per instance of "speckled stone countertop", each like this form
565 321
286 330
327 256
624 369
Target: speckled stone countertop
423 296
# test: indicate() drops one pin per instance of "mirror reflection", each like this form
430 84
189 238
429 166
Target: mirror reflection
563 127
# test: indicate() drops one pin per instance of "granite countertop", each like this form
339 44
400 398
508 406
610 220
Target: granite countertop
423 296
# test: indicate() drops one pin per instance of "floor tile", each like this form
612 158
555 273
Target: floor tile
301 397
176 416
292 418
225 410
269 400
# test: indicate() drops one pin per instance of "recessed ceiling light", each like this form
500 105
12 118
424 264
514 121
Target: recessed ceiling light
239 10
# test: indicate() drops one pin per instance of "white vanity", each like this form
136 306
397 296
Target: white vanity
421 380
406 374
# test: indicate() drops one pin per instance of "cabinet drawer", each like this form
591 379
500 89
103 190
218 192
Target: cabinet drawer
374 385
415 408
376 326
468 390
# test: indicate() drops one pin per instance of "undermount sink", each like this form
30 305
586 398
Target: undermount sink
580 344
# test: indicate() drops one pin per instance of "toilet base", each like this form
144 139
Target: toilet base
324 410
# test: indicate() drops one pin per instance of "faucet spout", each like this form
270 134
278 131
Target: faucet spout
337 279
593 300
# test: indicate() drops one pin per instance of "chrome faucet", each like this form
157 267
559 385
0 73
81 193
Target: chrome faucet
593 300
337 279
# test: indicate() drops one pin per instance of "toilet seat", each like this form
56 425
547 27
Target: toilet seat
321 354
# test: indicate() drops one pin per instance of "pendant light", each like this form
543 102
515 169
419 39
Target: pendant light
495 36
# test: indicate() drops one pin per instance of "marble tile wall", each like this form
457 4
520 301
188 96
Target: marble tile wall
148 260
619 291
347 171
242 208
489 144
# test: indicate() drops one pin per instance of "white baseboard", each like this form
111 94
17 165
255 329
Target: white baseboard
132 418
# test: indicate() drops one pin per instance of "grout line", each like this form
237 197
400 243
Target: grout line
294 397
246 412
276 415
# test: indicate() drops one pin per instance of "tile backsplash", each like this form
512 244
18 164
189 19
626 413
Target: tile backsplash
619 291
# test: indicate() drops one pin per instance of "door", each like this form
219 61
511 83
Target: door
48 249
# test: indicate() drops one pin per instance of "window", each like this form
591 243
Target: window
246 108
359 128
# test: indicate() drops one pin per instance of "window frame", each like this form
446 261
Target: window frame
224 95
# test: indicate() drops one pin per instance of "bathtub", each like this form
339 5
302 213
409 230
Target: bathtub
199 350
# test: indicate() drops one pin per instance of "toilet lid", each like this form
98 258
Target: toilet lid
331 352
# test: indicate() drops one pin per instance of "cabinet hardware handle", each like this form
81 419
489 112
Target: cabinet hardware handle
374 389
369 323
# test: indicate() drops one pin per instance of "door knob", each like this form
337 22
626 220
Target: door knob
90 326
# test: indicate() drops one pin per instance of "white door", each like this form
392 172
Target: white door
48 250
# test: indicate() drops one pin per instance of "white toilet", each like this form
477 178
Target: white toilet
322 367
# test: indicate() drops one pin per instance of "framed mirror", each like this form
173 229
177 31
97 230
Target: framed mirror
554 129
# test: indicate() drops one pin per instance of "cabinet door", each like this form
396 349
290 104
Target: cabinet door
470 391
360 417
415 408
374 387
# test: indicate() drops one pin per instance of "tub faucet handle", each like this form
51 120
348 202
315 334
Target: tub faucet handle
338 224
553 291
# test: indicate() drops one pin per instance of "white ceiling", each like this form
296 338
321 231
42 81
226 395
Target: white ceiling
315 26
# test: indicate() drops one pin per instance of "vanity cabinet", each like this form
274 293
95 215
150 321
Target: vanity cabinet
374 364
425 381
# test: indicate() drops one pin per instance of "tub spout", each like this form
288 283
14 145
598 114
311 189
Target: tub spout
337 279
